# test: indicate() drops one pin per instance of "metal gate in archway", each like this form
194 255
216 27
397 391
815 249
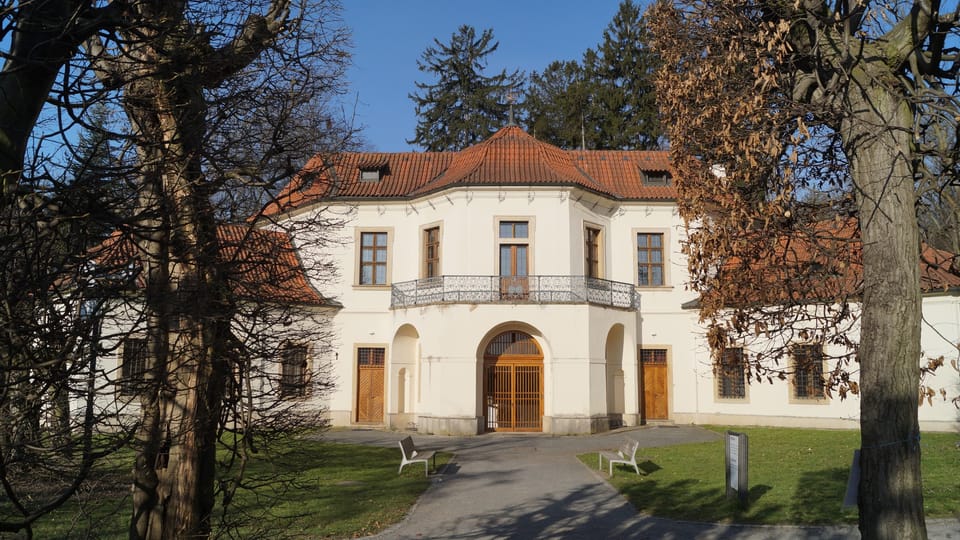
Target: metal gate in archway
513 383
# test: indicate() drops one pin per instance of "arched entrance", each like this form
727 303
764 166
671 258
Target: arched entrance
513 383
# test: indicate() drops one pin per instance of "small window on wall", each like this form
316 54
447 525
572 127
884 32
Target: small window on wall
134 363
294 375
591 250
370 356
431 252
808 371
730 373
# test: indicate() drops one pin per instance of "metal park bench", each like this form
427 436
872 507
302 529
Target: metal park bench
626 454
412 455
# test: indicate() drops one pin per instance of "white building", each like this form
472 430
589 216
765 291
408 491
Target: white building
514 286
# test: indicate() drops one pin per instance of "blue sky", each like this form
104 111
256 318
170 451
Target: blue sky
389 37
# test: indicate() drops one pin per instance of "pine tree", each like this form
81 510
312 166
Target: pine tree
463 106
557 104
607 101
624 102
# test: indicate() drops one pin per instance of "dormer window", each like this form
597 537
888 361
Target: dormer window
373 170
656 178
371 175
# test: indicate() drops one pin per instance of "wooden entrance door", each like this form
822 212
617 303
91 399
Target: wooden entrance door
370 384
513 383
654 367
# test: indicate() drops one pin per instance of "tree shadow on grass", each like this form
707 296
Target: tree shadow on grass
819 498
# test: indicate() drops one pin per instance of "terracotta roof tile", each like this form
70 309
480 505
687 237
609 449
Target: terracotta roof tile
509 157
259 264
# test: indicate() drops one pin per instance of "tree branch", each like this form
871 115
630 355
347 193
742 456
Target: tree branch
257 33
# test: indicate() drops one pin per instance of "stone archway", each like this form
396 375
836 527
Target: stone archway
513 383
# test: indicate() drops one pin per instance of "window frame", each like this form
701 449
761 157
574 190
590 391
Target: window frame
302 388
819 366
358 257
721 376
657 178
664 256
598 244
425 244
131 381
527 241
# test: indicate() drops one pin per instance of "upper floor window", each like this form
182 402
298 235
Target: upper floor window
514 249
514 229
650 270
656 178
591 250
373 258
730 374
431 252
293 371
807 371
134 362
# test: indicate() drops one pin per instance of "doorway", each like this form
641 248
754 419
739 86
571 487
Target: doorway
513 383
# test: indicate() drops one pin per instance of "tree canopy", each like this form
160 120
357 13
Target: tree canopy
464 105
805 135
605 102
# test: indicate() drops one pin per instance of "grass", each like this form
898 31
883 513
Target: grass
796 476
300 489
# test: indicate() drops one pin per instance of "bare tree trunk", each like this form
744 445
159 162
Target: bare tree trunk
890 494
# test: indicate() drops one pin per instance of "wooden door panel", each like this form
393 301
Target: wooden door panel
370 394
655 398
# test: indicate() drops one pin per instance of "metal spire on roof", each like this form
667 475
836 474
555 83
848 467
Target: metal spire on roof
511 99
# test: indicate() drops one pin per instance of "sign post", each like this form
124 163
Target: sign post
736 466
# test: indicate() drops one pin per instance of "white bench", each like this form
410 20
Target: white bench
410 454
626 454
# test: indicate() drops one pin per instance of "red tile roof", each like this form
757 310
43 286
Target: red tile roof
511 157
259 264
821 263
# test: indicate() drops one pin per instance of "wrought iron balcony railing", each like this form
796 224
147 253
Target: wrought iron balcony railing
513 290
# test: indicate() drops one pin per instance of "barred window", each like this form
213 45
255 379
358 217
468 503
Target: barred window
293 371
730 374
808 371
133 365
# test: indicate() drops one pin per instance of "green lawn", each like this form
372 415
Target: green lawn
795 476
302 489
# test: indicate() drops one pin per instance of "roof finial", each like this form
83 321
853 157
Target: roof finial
511 99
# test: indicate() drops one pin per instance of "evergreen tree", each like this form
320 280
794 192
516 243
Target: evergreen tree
463 106
624 102
557 104
95 186
605 102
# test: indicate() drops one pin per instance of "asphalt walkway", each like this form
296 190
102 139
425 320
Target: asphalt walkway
532 486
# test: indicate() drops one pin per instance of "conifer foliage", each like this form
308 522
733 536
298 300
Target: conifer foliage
605 102
464 105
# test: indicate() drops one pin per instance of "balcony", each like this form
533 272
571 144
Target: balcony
513 290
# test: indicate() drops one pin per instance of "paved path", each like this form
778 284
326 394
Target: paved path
533 486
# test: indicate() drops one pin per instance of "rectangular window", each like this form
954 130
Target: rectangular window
808 371
370 356
650 259
431 252
730 374
656 178
653 356
514 229
591 249
293 371
133 365
373 258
